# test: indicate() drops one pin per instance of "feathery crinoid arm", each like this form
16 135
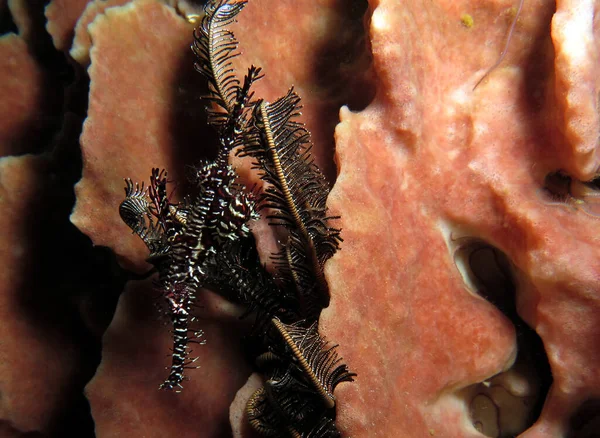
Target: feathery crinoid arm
319 362
296 194
205 241
240 276
214 46
297 397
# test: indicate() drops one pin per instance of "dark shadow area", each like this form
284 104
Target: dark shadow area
69 289
538 66
37 132
538 82
342 71
557 186
490 275
7 24
34 26
342 65
195 140
585 422
561 189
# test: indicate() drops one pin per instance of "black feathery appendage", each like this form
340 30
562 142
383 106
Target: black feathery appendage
150 215
135 209
215 46
293 399
325 428
261 415
296 195
297 191
319 362
288 403
239 275
296 273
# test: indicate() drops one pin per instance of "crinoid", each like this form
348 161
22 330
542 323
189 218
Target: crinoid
205 241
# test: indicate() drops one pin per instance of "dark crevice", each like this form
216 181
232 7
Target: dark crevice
496 410
538 66
36 132
7 24
560 188
342 71
194 138
69 288
557 186
342 65
585 422
32 27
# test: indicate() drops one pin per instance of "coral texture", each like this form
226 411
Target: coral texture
80 50
62 15
445 168
35 348
172 132
29 104
466 292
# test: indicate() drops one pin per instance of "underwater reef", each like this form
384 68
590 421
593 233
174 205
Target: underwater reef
460 142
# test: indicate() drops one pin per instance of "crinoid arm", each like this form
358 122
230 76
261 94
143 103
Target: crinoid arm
241 277
215 46
135 209
261 415
319 362
295 196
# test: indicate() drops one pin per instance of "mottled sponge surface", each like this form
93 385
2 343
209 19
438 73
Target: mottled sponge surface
144 111
124 394
30 101
62 16
469 212
38 358
433 165
574 32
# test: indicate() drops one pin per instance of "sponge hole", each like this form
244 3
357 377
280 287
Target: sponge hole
510 402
